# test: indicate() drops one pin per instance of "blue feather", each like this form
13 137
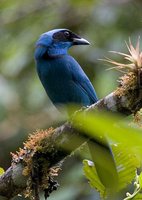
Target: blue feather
62 77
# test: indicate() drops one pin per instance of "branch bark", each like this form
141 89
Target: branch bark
56 145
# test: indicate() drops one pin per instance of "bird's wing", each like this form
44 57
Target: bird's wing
87 86
82 80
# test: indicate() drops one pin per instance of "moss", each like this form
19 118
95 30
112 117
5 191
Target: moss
32 145
138 118
128 82
35 159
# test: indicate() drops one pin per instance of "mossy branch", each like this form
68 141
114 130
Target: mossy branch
34 166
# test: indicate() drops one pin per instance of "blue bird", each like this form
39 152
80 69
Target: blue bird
61 75
66 83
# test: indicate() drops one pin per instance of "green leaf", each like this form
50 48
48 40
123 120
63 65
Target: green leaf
1 171
91 175
140 180
98 125
137 197
124 142
127 164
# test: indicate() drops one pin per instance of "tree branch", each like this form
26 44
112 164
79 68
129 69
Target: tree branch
48 148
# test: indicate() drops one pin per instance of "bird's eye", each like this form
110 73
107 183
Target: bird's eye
67 34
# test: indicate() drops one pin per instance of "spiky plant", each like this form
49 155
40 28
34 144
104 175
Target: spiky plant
132 69
134 57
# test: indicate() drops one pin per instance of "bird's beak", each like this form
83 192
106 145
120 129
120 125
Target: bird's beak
80 41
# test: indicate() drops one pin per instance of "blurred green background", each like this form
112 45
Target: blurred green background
24 105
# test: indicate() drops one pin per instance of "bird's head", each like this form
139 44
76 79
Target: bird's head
58 41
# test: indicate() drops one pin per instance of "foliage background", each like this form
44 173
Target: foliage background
24 106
